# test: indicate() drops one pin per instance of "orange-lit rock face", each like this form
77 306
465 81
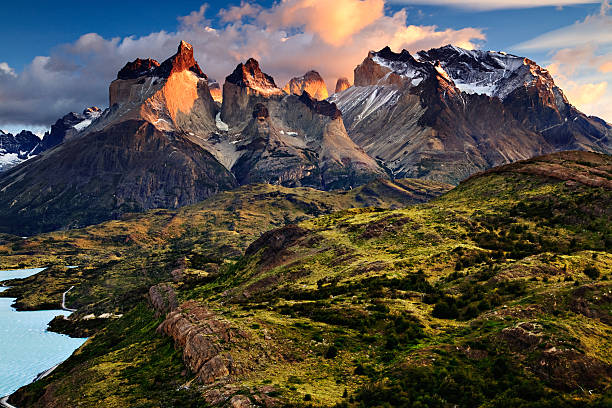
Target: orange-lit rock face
178 94
217 94
342 84
173 95
371 73
311 82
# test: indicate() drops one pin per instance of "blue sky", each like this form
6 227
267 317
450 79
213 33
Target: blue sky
60 56
39 25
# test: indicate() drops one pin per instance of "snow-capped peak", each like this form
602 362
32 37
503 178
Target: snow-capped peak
492 73
484 72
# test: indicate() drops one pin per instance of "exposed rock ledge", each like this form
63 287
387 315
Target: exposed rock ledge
206 340
197 331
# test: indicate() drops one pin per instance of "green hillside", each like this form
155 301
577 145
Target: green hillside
496 294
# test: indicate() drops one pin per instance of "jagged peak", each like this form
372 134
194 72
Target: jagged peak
137 68
181 61
184 46
388 54
250 75
311 82
260 111
342 84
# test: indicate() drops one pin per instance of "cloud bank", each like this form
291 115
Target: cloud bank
289 38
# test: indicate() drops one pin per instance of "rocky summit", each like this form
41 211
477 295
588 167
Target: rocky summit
447 113
342 84
310 82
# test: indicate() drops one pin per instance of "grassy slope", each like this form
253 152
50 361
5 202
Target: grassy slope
121 259
496 294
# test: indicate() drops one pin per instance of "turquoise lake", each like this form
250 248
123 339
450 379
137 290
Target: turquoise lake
26 347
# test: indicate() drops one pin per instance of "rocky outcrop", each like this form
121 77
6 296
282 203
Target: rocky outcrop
598 173
163 299
450 113
138 68
203 337
321 107
552 360
215 90
244 88
310 82
342 85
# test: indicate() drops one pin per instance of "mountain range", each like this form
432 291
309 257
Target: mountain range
166 141
436 234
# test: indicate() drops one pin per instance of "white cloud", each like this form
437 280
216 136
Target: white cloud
595 29
5 69
237 13
495 4
77 74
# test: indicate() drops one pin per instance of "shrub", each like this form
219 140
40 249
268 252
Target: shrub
444 310
592 272
331 352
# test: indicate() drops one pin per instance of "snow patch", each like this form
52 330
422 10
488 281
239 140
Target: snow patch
220 124
402 69
82 125
8 160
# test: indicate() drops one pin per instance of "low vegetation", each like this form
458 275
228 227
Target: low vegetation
497 294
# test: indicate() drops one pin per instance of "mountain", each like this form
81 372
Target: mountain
134 156
163 142
342 85
311 82
67 127
25 145
288 139
173 96
496 294
14 149
442 114
447 113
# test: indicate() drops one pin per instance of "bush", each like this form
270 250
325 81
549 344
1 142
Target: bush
331 352
444 310
592 272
